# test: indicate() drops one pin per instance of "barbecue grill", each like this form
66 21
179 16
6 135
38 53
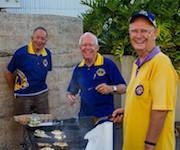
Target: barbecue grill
74 130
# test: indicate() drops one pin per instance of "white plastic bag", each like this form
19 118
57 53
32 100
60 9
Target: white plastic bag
100 137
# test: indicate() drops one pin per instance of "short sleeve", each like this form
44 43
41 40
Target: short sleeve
12 66
49 60
163 86
73 85
114 73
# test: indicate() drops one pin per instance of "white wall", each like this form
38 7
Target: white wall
9 3
53 7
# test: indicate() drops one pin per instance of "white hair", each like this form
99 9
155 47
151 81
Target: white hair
88 34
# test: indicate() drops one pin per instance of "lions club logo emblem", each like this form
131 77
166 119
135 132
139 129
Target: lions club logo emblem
100 72
139 90
20 81
45 62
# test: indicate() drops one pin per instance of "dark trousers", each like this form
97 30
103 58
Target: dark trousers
32 104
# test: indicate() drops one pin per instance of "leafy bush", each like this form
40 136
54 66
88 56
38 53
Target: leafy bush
108 19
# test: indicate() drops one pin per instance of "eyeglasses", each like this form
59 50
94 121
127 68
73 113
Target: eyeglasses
87 45
144 32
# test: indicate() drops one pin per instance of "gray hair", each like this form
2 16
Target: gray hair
88 34
40 28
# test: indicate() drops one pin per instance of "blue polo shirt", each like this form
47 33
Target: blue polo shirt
86 78
31 70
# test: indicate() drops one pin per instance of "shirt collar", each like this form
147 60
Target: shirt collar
155 51
99 61
31 50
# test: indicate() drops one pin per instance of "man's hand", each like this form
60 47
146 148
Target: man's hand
71 98
117 115
149 147
10 77
104 88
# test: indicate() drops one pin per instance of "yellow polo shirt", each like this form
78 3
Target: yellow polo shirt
154 87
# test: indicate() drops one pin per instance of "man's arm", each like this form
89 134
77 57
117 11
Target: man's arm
121 88
71 98
117 115
10 79
106 89
155 127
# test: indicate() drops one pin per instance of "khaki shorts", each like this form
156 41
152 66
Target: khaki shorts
32 104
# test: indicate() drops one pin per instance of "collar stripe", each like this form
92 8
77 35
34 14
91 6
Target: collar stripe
31 50
99 61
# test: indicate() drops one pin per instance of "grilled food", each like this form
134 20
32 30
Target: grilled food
44 144
41 133
56 132
59 135
61 144
47 148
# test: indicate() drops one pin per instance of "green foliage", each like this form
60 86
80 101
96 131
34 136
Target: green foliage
108 19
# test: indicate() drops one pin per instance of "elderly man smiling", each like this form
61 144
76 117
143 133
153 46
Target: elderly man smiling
151 93
97 78
26 74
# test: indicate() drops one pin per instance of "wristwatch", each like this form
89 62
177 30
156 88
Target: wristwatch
114 88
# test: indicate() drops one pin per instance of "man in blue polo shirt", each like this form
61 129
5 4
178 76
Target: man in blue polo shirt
97 78
26 74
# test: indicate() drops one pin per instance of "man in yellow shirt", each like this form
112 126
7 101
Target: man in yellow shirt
151 94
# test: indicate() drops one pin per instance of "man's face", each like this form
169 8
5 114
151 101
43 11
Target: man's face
39 39
88 48
142 36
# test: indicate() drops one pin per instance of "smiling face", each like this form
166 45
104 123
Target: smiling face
142 36
39 39
88 48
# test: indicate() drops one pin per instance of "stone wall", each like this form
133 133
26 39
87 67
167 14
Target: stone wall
15 31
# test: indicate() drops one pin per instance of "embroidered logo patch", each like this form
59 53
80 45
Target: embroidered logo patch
139 90
21 81
100 72
45 62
